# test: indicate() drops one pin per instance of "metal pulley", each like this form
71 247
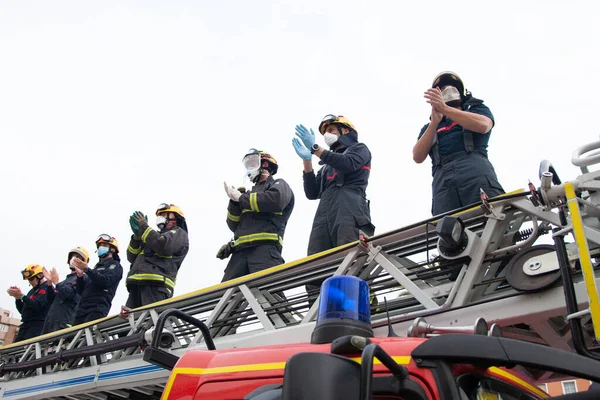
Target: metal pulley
533 269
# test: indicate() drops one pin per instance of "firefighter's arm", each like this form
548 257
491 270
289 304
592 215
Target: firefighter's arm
351 160
164 243
80 285
106 278
275 199
312 184
234 212
470 120
66 290
424 143
134 248
40 301
19 305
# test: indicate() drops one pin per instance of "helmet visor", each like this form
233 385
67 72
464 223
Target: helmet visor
251 162
328 119
104 238
27 273
162 206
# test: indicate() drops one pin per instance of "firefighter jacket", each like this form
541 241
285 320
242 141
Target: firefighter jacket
97 287
35 304
261 214
65 301
156 257
348 167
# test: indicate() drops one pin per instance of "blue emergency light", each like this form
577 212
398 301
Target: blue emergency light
343 309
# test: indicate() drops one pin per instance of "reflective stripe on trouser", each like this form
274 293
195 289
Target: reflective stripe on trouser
258 237
153 278
456 183
253 259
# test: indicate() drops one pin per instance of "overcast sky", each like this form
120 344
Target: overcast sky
111 107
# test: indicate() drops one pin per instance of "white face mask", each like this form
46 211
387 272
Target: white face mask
330 139
450 93
161 222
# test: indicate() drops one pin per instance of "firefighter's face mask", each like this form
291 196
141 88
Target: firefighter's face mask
251 163
451 96
161 221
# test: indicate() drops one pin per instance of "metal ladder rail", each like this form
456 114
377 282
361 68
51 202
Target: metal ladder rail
258 309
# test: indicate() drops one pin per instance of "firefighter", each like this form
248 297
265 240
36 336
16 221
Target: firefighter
97 286
257 218
66 299
155 257
35 304
456 139
340 184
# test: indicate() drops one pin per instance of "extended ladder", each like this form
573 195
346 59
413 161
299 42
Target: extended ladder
103 359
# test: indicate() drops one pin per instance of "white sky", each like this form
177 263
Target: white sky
111 107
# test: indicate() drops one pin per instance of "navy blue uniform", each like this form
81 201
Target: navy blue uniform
460 165
97 288
341 186
33 308
62 310
258 221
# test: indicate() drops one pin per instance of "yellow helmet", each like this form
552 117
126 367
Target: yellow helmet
32 270
81 251
449 78
333 119
104 238
164 207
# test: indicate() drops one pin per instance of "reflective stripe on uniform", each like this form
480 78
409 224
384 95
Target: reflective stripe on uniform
134 251
255 237
153 277
254 202
146 233
234 218
274 212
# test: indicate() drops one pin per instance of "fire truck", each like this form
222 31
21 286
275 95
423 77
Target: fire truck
394 319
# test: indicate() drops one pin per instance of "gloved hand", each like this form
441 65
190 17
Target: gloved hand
225 251
242 189
140 218
134 224
307 137
232 192
302 151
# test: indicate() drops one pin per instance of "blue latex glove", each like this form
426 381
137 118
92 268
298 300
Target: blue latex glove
302 151
307 137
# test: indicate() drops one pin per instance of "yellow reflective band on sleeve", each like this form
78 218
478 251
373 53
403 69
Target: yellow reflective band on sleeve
146 233
584 258
134 251
152 277
255 237
254 202
234 218
158 255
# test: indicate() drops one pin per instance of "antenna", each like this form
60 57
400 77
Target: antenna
391 332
